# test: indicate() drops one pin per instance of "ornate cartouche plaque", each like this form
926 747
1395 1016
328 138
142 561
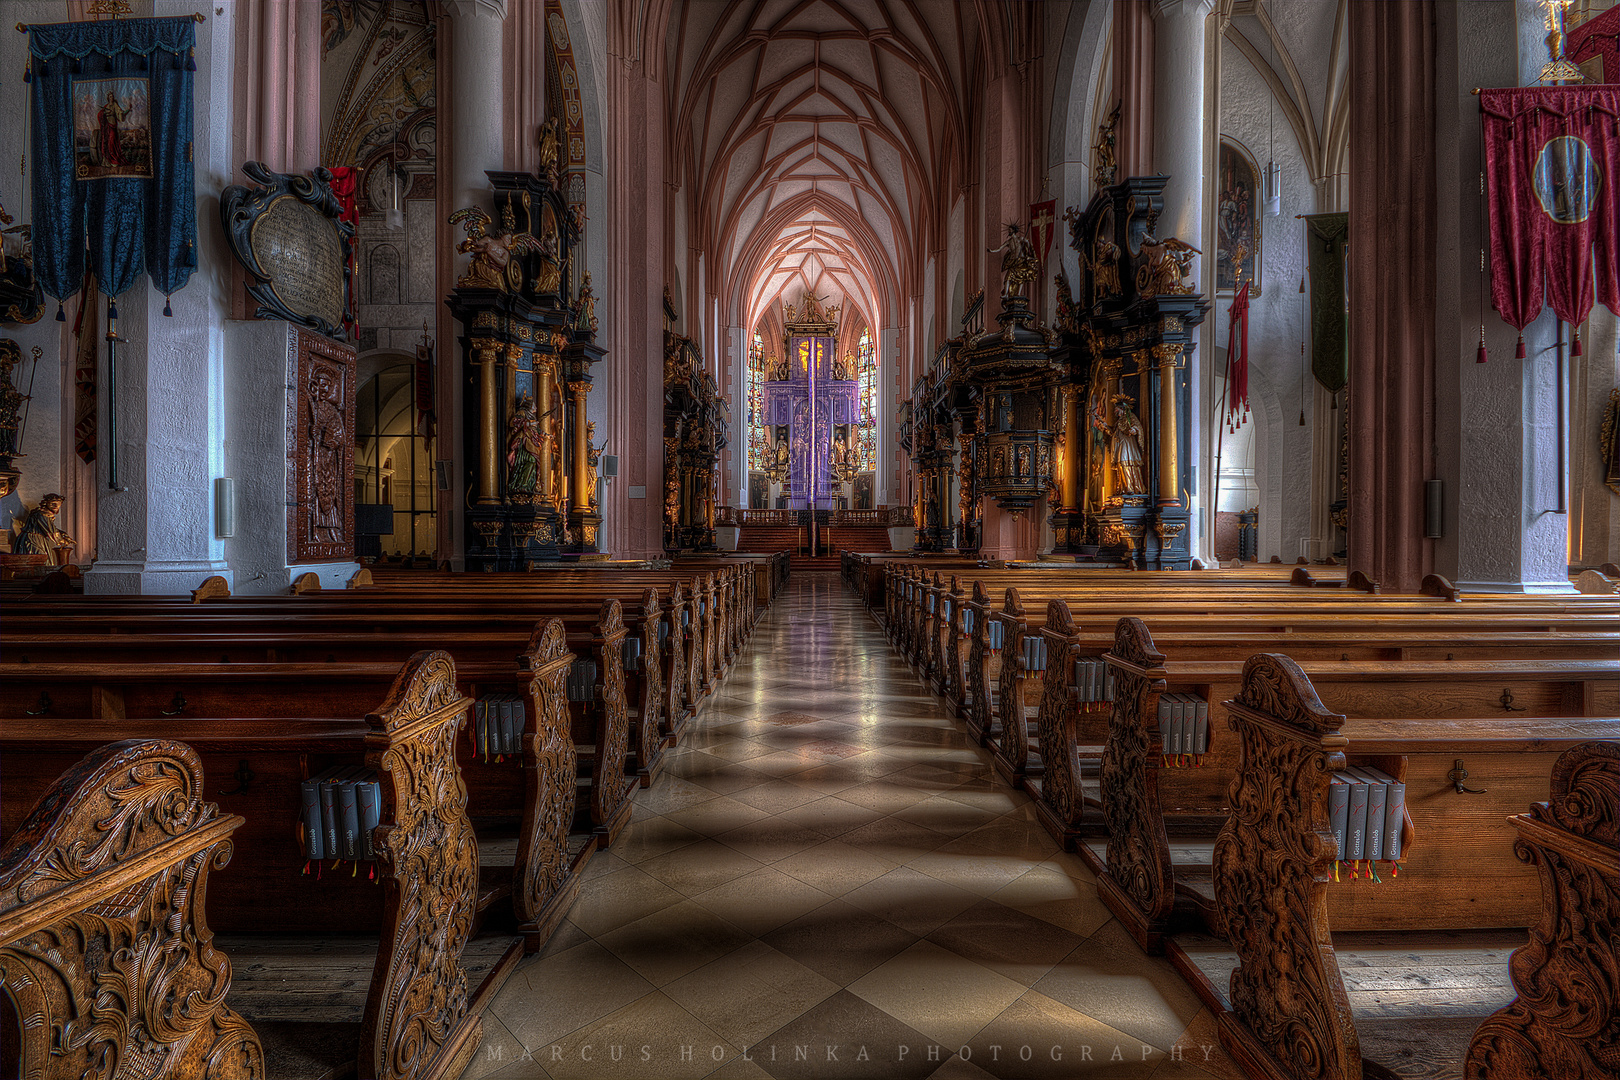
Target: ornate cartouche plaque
290 236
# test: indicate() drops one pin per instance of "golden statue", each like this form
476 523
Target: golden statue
549 145
1126 433
492 265
523 448
1169 262
1105 269
586 320
593 455
549 278
1019 266
39 535
1105 163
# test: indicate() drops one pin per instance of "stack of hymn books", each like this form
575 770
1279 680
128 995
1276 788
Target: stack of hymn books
582 681
341 807
1183 729
1034 652
1093 681
498 723
1367 811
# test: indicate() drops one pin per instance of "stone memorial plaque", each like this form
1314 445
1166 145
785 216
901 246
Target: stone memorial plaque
290 235
302 254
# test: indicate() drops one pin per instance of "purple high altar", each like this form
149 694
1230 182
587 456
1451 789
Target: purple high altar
813 404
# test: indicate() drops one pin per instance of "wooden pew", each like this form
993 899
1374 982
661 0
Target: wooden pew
1564 1021
74 892
1290 1015
420 1016
600 728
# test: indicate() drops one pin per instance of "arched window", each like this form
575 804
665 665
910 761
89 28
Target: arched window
758 430
866 372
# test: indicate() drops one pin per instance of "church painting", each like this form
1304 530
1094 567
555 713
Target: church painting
1237 241
112 129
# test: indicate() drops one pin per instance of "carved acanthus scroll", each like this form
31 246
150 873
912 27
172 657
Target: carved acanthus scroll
427 858
610 782
1566 1020
1138 864
104 944
1289 1007
1013 745
1056 728
551 767
979 660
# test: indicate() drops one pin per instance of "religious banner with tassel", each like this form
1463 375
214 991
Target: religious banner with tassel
1237 360
1327 237
113 173
1042 228
1552 158
1594 46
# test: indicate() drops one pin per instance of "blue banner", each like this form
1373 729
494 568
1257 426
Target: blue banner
112 153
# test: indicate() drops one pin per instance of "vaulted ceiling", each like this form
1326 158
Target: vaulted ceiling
815 140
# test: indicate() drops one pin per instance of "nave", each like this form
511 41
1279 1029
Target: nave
827 865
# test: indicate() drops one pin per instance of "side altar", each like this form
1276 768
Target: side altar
1128 483
528 341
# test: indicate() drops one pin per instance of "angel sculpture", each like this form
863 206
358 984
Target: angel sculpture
1169 261
492 266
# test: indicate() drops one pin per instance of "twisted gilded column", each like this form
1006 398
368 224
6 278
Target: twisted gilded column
543 367
584 497
489 455
1072 439
1169 461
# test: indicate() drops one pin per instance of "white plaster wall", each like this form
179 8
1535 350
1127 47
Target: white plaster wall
1247 110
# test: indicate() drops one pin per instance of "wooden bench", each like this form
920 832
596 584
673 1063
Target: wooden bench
420 1016
1290 1013
74 892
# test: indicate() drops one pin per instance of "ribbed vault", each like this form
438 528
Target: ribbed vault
815 141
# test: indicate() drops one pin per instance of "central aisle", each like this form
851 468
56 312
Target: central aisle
828 877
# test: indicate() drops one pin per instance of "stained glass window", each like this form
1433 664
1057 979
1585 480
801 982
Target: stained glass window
758 431
866 372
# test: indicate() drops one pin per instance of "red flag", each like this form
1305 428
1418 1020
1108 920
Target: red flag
1552 158
344 181
1042 227
1237 360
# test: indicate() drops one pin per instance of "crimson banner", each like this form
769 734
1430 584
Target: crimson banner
1042 227
1552 160
1237 360
1598 38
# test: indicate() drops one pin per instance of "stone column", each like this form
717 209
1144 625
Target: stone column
1181 38
1392 290
1133 47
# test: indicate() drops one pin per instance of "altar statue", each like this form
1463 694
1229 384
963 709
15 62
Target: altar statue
39 535
522 448
492 266
1019 266
1127 436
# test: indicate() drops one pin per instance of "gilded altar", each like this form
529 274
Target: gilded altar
697 428
1126 482
528 341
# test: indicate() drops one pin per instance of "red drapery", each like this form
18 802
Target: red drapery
1599 37
1042 227
1552 162
1237 360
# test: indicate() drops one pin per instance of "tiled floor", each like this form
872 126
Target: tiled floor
829 881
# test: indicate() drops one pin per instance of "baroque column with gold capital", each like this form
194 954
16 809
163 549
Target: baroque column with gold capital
1165 355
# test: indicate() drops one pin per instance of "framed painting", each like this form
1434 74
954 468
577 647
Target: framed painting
112 128
1237 224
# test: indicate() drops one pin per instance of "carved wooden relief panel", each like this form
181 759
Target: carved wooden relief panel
1060 745
105 948
610 786
551 760
427 858
1566 1019
1289 1007
320 449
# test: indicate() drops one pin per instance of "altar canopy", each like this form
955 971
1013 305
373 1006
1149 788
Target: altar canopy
811 403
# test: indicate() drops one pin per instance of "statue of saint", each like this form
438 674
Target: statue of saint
549 279
40 536
587 306
522 448
1019 267
593 455
549 145
1127 435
